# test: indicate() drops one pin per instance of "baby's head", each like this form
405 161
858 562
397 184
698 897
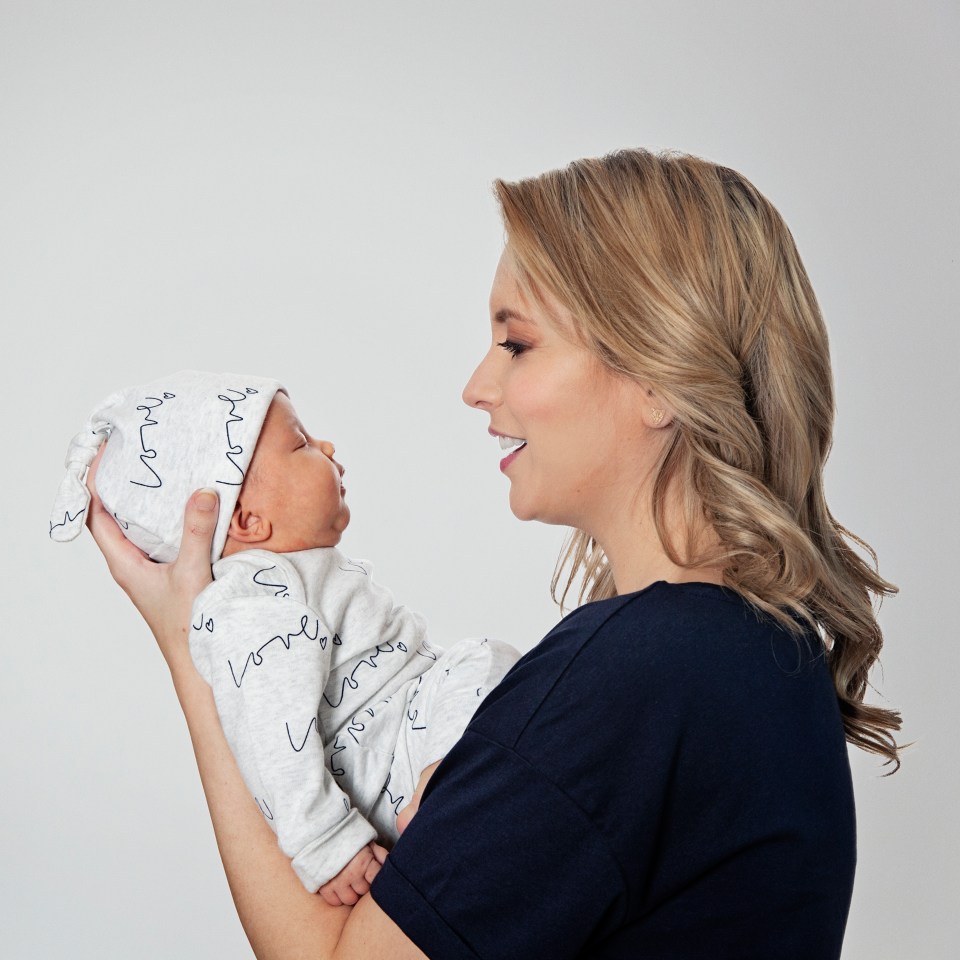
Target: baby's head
279 488
292 496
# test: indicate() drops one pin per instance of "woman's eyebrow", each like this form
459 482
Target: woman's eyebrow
505 313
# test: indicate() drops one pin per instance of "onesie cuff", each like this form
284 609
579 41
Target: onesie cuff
322 859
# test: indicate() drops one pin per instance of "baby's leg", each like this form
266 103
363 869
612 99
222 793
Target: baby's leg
453 690
444 704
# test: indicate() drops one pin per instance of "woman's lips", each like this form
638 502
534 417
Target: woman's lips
507 460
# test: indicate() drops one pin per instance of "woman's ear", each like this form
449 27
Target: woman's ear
246 527
656 412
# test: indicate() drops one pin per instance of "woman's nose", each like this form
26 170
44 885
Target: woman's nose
482 389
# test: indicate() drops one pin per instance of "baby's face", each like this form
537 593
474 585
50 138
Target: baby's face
294 484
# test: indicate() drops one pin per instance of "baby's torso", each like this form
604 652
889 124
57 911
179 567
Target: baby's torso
374 647
305 644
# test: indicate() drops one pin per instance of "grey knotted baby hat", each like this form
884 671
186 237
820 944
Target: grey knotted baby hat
167 439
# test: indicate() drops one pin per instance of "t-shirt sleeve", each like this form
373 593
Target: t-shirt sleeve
499 863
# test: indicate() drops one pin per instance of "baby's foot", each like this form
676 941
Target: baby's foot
409 811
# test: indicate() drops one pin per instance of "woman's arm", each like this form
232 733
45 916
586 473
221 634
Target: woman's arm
280 918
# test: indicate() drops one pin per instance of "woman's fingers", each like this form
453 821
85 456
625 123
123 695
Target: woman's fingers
199 524
162 592
121 555
373 868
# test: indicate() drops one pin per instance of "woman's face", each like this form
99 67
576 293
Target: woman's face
574 441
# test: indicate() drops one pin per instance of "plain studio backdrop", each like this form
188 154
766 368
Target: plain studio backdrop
302 190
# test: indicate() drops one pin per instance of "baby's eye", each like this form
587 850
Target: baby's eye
514 348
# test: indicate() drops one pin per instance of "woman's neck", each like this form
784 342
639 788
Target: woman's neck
637 557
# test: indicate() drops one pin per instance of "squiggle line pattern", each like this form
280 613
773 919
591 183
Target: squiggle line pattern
371 661
66 519
281 587
313 725
233 397
338 747
353 728
199 626
268 813
395 802
412 717
424 651
358 726
149 453
255 657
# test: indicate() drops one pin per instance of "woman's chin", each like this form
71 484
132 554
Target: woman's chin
525 508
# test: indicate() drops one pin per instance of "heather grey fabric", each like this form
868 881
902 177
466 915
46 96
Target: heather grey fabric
167 439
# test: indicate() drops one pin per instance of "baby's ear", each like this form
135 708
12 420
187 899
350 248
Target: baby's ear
249 528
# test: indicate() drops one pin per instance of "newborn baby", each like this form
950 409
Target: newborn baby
334 704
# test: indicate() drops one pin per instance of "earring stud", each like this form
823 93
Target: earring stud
656 416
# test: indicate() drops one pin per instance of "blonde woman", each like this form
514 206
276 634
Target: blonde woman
665 774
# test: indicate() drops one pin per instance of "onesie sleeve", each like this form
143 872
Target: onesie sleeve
470 875
267 660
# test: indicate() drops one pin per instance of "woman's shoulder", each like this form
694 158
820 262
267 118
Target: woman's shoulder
665 650
697 628
665 626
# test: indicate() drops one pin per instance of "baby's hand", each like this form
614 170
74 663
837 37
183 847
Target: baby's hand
354 880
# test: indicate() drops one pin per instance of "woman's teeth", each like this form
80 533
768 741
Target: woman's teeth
508 443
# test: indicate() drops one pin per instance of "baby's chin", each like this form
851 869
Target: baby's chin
328 537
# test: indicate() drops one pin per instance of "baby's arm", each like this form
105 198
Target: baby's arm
267 660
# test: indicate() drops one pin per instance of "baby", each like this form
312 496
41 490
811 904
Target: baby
335 706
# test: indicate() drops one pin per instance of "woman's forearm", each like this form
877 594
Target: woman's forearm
281 919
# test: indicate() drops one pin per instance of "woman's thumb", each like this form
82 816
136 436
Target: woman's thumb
199 524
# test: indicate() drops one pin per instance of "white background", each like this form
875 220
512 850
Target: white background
302 190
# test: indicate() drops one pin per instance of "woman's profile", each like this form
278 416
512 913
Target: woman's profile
665 774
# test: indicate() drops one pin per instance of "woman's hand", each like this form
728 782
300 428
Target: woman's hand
162 592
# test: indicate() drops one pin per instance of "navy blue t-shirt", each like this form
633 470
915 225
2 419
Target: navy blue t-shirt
663 776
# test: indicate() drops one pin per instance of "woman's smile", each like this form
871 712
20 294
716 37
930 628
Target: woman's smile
514 444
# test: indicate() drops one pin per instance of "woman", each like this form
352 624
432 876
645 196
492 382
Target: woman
665 774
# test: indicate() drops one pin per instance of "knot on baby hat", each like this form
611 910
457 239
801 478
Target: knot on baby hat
166 439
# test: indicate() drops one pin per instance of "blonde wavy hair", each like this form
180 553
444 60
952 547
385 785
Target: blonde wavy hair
681 274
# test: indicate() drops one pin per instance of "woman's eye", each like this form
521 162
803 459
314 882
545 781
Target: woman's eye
514 348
